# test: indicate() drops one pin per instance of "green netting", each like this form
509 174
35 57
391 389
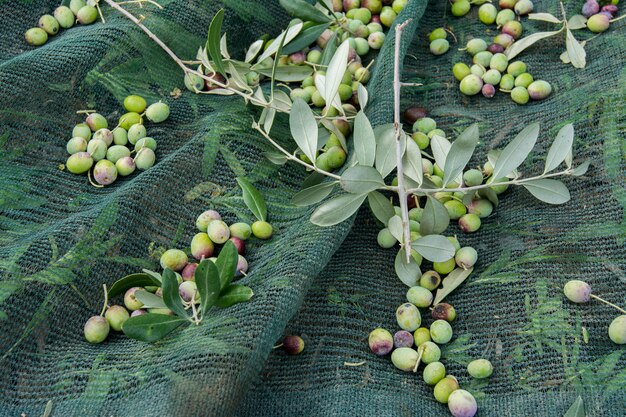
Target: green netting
61 238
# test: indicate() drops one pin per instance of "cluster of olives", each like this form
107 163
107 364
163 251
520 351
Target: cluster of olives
213 231
580 292
490 69
462 7
439 44
599 18
415 344
64 17
92 141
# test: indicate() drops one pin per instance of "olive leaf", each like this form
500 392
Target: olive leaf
435 218
440 147
226 263
409 273
337 209
313 195
281 40
361 179
545 17
561 146
234 294
312 179
577 409
281 43
268 122
412 163
304 10
133 280
581 169
460 153
151 327
154 275
253 198
213 41
490 195
328 124
395 227
548 191
518 46
171 297
492 157
254 50
435 248
320 84
386 148
329 50
150 300
516 152
364 140
334 74
451 282
381 206
208 282
304 128
577 21
224 47
282 101
287 73
305 38
575 51
362 96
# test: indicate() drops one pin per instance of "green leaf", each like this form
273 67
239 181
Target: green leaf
490 195
224 47
254 50
364 140
435 248
305 38
560 147
304 10
312 179
213 42
226 263
275 157
460 153
409 273
440 147
253 198
335 72
133 280
412 162
362 96
234 294
516 152
313 195
385 148
435 218
329 50
548 191
545 17
577 21
395 227
575 51
304 128
361 179
581 169
380 206
153 274
577 409
151 327
328 124
288 73
171 296
451 282
337 209
150 300
285 37
518 46
208 282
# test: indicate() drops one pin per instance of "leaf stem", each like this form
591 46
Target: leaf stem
106 300
608 303
194 311
397 124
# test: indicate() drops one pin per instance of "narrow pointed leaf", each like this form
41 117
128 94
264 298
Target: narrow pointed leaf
450 283
548 191
490 195
254 50
234 294
224 47
208 282
412 163
395 227
581 169
561 146
150 300
362 96
361 179
304 10
385 148
364 140
285 37
133 280
312 179
435 218
337 209
154 275
409 273
577 409
335 71
435 248
253 198
151 327
226 263
287 73
545 17
381 206
213 42
460 153
305 38
303 128
313 195
328 124
276 157
575 51
577 21
518 46
440 147
329 50
516 152
171 296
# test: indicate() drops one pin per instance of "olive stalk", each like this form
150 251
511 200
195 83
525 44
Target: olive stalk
608 303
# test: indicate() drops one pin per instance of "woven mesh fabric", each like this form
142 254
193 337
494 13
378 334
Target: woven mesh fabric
61 238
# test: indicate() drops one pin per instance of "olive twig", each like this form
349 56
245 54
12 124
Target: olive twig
106 300
608 303
194 310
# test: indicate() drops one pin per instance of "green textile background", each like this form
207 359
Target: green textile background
61 238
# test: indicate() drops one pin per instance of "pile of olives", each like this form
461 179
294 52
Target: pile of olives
63 18
111 150
599 18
